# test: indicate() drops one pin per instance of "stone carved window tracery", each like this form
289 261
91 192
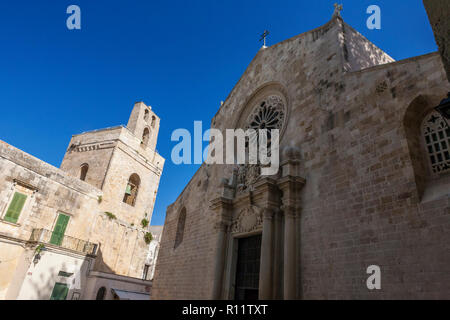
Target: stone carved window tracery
436 138
268 113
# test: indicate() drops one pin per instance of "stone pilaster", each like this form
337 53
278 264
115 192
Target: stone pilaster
266 264
290 253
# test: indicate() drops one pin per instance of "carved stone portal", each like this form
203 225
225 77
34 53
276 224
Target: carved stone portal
249 219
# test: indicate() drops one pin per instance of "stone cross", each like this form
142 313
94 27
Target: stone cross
264 36
337 10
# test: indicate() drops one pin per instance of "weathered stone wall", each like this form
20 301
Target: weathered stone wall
438 13
125 162
186 272
361 203
93 148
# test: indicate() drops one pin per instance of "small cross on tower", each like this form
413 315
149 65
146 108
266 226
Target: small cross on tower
264 36
337 10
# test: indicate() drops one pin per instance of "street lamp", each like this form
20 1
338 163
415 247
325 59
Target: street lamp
444 109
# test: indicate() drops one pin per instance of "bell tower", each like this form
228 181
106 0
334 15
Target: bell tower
144 124
122 163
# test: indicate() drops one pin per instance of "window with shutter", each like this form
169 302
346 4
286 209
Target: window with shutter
59 292
59 229
15 207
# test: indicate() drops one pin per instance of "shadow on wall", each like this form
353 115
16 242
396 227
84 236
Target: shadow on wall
55 283
59 281
100 264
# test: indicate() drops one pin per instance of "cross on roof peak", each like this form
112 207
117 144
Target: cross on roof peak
264 36
337 9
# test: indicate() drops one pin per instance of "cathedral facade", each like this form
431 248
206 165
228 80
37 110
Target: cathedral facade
81 231
364 181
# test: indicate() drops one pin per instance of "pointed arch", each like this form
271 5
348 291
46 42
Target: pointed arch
180 228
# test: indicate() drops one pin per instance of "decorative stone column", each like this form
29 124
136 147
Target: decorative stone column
266 262
266 195
277 256
290 253
290 184
222 206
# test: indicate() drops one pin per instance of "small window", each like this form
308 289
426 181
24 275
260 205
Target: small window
436 137
153 121
146 114
101 293
145 274
83 171
145 137
15 207
180 228
60 229
131 190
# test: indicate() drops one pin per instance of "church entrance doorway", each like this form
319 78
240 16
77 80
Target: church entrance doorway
247 269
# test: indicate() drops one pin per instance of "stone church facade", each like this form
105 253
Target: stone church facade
80 232
364 180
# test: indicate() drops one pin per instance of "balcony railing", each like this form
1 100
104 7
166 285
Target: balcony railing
63 241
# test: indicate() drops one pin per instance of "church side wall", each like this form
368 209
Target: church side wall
186 272
361 204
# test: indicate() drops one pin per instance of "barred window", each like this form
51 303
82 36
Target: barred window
436 137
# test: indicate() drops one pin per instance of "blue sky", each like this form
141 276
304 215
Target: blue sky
180 57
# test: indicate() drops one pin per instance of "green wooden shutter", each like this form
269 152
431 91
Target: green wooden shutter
15 208
59 292
59 230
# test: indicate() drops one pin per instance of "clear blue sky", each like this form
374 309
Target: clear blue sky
181 57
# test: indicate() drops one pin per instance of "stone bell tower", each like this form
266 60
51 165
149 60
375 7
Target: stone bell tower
122 162
144 123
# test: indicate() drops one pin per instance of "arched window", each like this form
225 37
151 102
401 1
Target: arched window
180 228
146 114
145 137
101 293
153 121
436 138
83 171
132 190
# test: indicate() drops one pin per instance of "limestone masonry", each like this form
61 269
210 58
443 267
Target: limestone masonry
364 180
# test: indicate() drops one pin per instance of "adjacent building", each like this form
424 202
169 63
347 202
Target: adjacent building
81 231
